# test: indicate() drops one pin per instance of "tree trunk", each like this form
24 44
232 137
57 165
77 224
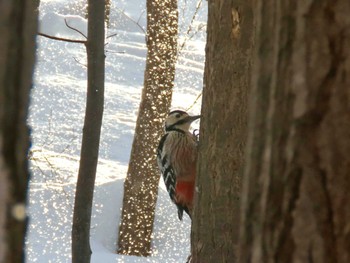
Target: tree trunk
223 131
108 13
81 251
18 25
296 188
141 183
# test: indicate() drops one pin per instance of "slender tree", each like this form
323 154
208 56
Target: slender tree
107 12
18 25
81 251
141 183
223 131
296 186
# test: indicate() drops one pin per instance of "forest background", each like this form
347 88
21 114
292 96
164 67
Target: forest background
56 118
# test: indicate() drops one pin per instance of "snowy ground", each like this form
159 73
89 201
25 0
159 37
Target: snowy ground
56 118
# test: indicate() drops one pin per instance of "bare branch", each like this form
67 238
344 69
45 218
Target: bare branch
132 20
76 60
76 30
143 11
190 26
115 52
113 35
62 39
195 101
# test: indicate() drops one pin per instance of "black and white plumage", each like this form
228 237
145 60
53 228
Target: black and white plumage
176 157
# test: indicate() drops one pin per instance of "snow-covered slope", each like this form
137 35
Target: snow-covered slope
56 118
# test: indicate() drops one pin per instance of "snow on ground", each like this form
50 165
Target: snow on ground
56 118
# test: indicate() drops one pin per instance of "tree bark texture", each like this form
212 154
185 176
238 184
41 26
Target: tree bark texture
297 177
81 251
107 12
18 25
222 132
141 183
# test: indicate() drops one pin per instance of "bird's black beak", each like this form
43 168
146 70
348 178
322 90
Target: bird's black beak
193 118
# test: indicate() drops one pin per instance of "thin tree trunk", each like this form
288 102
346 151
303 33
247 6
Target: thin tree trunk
18 25
223 132
141 183
296 187
108 13
81 251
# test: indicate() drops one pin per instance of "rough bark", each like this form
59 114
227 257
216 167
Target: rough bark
223 131
18 24
81 251
296 187
108 13
141 183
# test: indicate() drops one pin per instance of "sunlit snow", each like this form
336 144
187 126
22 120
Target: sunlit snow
56 119
64 26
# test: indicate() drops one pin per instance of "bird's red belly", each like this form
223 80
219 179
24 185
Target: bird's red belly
184 192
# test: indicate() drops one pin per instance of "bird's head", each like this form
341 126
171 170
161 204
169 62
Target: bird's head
180 120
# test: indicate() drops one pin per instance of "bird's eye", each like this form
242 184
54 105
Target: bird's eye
178 115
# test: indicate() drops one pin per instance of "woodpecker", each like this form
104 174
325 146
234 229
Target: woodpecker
177 157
